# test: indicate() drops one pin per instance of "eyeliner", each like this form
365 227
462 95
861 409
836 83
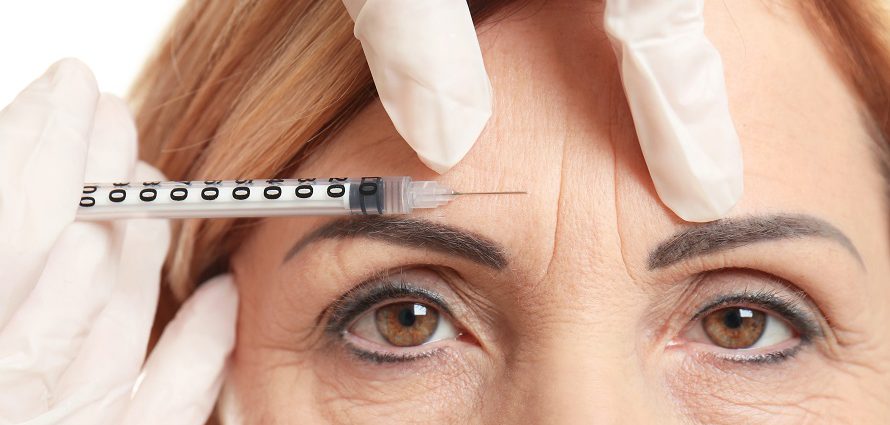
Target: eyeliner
806 326
364 296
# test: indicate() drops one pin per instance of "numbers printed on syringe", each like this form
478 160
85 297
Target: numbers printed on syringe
211 190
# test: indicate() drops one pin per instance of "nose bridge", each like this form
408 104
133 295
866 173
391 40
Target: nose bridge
575 358
576 354
586 382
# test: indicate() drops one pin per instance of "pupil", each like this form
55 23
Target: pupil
406 316
732 319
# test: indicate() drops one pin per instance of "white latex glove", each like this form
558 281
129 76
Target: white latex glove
427 66
77 300
673 80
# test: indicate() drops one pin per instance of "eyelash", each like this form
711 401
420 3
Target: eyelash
370 294
769 302
375 292
375 357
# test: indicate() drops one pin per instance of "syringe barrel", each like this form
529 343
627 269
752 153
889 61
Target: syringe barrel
246 198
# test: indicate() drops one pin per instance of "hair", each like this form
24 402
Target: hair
857 34
248 89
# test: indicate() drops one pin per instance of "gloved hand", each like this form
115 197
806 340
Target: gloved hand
427 65
673 80
78 299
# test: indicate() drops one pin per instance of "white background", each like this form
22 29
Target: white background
113 37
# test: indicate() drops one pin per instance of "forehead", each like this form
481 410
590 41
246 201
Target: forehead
561 130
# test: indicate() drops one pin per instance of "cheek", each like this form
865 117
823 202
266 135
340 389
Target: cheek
446 388
285 367
335 387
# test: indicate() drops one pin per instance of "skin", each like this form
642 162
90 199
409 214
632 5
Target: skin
577 327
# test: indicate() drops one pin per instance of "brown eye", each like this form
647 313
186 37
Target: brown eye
734 327
406 324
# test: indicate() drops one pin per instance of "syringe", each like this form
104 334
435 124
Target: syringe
263 198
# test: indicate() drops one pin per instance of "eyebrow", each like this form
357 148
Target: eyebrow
412 233
726 234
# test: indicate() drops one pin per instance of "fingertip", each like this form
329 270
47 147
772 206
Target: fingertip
211 311
69 76
72 69
61 107
73 90
429 72
218 294
60 104
442 151
113 149
354 7
444 154
147 172
712 201
185 370
437 166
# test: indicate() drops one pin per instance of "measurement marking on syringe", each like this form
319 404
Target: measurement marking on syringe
148 195
209 193
260 198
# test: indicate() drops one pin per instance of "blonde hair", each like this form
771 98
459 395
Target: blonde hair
247 89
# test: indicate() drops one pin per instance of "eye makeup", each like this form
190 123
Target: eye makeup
372 292
784 308
771 301
790 315
382 357
378 292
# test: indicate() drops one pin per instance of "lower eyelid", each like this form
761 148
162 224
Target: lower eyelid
369 351
787 350
384 357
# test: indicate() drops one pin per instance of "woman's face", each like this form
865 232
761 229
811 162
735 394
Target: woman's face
586 300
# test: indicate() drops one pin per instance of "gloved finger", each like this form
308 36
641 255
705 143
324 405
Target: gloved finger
114 351
96 386
43 144
111 156
673 79
44 334
181 380
426 62
112 153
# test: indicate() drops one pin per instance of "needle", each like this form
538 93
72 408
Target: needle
490 193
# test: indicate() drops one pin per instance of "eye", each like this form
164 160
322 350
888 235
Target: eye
738 328
403 324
